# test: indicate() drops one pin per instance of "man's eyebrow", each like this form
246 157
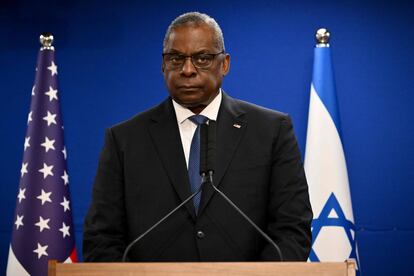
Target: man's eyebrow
203 51
173 51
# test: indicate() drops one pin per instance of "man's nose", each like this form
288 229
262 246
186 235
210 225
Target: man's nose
188 68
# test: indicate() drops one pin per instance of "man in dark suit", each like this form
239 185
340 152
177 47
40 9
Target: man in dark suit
144 169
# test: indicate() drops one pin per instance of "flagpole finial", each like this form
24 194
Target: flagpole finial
46 39
322 37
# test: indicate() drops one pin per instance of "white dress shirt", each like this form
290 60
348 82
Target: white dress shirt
187 127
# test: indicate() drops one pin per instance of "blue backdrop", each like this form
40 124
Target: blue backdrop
109 58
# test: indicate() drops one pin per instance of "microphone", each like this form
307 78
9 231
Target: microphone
211 147
207 150
203 148
128 248
210 158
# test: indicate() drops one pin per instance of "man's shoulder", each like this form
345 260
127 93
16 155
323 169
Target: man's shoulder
254 111
141 119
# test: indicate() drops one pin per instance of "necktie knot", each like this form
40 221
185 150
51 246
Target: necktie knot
198 119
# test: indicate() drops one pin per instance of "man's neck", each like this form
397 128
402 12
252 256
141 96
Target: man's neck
199 108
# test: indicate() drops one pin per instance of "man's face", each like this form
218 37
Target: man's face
189 86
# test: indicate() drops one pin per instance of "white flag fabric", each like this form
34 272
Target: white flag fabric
333 228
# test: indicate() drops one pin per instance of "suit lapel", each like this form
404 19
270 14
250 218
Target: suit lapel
231 126
166 137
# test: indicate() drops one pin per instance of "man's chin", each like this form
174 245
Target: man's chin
188 100
192 100
194 106
190 104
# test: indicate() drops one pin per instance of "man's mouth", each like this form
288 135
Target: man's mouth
188 88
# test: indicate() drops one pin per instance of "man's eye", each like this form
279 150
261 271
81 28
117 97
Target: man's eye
202 59
176 58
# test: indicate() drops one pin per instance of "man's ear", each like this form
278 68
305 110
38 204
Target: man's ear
162 67
225 67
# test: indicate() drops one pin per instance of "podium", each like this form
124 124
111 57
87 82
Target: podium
206 269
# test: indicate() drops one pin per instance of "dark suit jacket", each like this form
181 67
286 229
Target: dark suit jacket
142 175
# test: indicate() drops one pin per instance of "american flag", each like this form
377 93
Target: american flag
43 227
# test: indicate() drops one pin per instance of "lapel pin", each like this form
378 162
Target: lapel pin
237 125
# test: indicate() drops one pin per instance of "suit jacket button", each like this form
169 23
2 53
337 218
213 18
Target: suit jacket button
200 234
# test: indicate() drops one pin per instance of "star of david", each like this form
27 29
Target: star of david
340 221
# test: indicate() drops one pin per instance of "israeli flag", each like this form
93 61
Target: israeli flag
333 229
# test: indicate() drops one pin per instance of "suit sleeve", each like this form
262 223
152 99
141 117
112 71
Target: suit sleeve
289 209
104 229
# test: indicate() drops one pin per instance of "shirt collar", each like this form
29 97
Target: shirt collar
210 111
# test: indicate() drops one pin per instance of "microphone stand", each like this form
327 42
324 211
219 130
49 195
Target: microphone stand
209 178
159 222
